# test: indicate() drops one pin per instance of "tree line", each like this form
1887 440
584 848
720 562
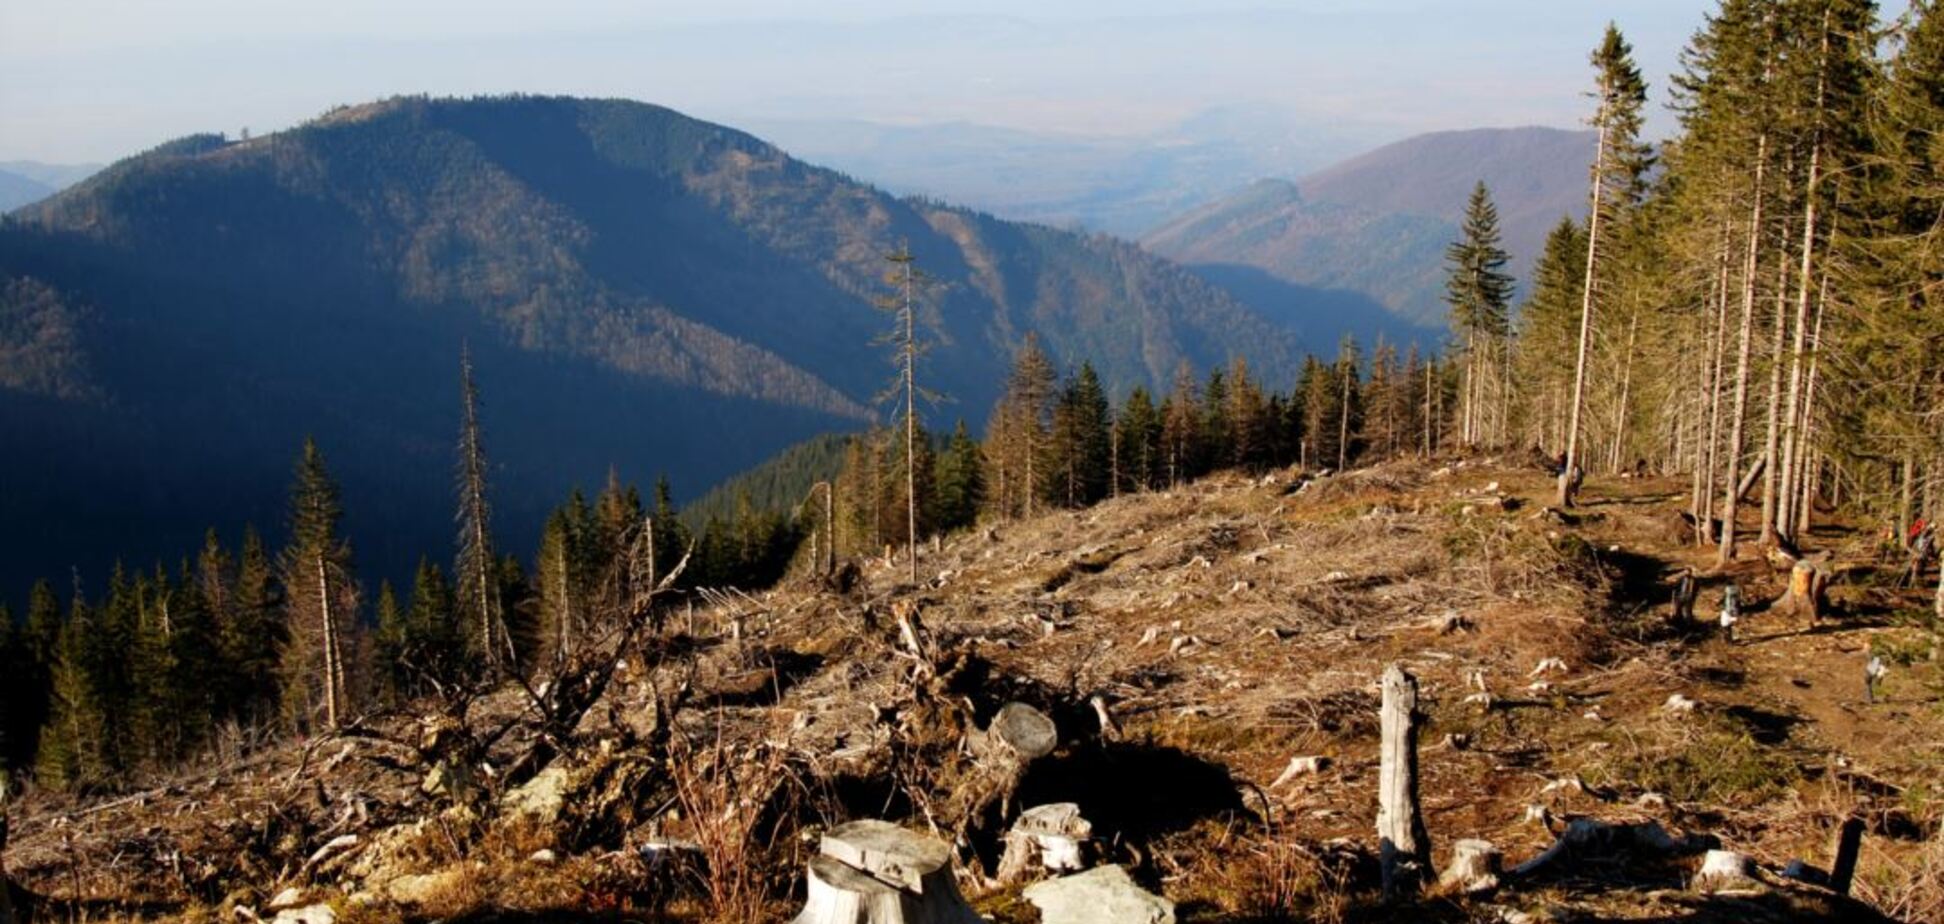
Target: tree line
1752 303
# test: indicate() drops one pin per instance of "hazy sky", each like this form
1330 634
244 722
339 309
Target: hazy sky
93 80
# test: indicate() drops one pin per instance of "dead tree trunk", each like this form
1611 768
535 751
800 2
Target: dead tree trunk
1684 593
1403 847
874 872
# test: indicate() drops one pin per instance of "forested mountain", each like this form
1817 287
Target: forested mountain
1373 228
639 289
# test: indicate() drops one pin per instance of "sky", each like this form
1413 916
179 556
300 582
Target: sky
95 80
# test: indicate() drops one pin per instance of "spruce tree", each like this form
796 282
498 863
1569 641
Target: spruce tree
1620 161
320 602
474 564
960 482
1478 290
1138 431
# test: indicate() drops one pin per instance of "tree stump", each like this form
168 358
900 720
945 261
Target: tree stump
1018 735
1047 837
1724 870
1808 585
1403 847
1101 896
1475 867
1684 593
874 872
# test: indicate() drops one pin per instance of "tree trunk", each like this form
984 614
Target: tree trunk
1626 387
1403 847
1771 436
333 677
1726 550
1566 480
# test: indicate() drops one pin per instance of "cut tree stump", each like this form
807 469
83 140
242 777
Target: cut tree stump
1475 867
1100 896
1018 735
1045 837
1808 586
1725 871
874 872
1403 847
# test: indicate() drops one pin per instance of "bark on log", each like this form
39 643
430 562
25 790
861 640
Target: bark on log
1808 585
1475 867
1403 847
1045 837
874 872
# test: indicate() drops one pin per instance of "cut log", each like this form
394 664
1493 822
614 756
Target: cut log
1725 871
874 872
1048 837
1475 867
1404 849
1808 585
1101 896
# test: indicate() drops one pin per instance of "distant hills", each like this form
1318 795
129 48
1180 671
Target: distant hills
1371 231
639 289
25 181
1121 185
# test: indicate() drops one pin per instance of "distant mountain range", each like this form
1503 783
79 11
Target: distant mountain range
1370 232
25 181
1122 185
638 288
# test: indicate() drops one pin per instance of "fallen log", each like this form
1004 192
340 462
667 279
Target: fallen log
1588 837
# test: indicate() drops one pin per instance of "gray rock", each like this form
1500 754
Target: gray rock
1101 896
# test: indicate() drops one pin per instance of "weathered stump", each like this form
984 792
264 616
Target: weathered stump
1101 896
1403 847
1475 867
1018 735
874 872
1724 870
1046 837
1808 587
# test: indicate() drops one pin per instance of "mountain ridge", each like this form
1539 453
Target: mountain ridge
639 288
1377 224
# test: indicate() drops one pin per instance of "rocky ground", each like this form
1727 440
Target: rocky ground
1210 658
